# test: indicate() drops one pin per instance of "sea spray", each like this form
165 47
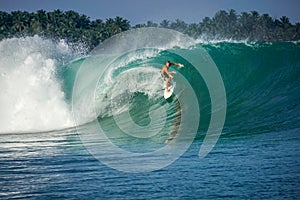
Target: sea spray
31 97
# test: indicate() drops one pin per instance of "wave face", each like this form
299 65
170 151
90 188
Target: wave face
261 81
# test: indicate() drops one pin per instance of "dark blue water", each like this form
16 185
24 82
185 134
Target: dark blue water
263 166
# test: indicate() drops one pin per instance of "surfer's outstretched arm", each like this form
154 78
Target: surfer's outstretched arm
177 64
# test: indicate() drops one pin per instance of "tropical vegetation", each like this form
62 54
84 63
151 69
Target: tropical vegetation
75 27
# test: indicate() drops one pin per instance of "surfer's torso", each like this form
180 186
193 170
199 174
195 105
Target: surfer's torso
164 72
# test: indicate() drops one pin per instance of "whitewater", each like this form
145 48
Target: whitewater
32 98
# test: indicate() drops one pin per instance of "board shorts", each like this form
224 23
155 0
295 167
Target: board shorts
165 76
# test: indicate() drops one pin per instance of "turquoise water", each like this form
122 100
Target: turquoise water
256 156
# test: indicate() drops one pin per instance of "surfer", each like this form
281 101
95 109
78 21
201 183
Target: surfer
167 75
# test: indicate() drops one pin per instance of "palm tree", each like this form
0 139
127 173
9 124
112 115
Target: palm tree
206 25
5 25
83 22
266 27
72 18
193 30
18 20
297 32
164 24
245 25
111 27
123 24
151 24
285 22
179 25
232 17
42 18
139 26
255 14
221 22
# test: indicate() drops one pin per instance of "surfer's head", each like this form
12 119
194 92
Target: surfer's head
168 63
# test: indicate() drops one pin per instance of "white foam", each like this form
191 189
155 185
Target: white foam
144 79
31 95
125 60
204 39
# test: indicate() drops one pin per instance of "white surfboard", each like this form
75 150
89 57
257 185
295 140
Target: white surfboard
169 94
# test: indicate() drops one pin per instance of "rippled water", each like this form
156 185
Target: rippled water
53 165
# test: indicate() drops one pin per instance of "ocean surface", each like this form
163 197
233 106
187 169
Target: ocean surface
44 153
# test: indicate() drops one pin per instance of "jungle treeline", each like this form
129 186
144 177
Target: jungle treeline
75 27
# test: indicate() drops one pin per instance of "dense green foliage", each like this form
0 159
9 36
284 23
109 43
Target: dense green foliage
230 25
79 28
60 25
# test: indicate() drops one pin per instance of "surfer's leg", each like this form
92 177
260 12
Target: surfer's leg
167 84
171 78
